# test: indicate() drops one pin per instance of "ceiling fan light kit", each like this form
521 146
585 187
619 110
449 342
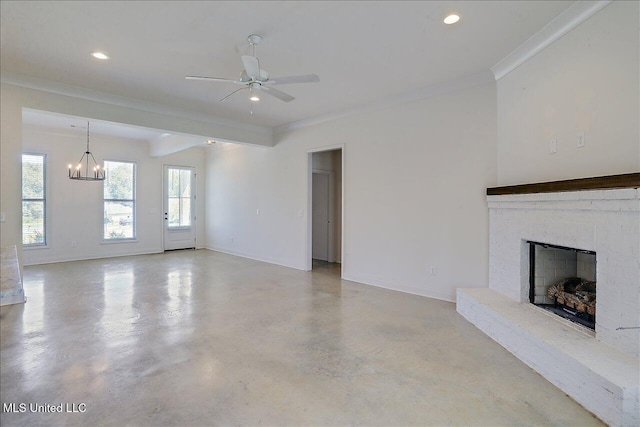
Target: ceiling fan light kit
253 92
258 80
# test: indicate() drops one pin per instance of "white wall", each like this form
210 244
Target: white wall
10 169
414 182
75 207
585 81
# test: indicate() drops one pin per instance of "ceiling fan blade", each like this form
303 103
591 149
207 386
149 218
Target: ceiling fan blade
278 94
232 93
307 78
211 79
251 66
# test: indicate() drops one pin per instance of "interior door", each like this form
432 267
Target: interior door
179 207
320 216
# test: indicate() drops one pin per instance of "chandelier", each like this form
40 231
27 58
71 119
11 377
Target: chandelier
92 171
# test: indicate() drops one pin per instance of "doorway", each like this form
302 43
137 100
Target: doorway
325 201
322 227
179 207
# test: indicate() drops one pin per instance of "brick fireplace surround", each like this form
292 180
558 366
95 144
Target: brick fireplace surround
601 369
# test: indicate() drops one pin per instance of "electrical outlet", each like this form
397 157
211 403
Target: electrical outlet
74 243
553 146
580 142
433 270
257 211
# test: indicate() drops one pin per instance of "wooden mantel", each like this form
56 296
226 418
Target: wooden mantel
628 180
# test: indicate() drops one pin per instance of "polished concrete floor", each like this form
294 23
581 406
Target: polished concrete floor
196 338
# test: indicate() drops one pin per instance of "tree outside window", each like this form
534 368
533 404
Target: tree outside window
179 197
119 200
33 200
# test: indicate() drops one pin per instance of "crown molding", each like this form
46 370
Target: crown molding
121 101
464 82
573 16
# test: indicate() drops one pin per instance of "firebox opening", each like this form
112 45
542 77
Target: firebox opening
563 281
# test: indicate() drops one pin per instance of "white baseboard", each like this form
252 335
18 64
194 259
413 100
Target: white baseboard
253 257
393 287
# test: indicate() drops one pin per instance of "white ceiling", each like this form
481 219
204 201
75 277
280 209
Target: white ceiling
364 52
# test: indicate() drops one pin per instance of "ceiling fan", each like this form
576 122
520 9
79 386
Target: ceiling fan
257 80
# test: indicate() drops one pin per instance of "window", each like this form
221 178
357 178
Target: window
34 230
119 200
179 197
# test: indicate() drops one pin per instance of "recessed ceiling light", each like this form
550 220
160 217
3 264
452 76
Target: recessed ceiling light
209 142
451 19
99 55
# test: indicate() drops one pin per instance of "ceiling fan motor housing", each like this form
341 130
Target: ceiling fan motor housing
254 39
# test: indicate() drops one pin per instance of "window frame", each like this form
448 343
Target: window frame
133 201
45 207
191 198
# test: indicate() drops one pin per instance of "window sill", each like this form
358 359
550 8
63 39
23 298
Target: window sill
114 241
34 247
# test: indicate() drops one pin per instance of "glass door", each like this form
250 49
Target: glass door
179 207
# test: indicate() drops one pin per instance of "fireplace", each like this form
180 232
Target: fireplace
562 280
599 367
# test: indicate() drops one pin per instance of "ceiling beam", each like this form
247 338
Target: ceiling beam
59 98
